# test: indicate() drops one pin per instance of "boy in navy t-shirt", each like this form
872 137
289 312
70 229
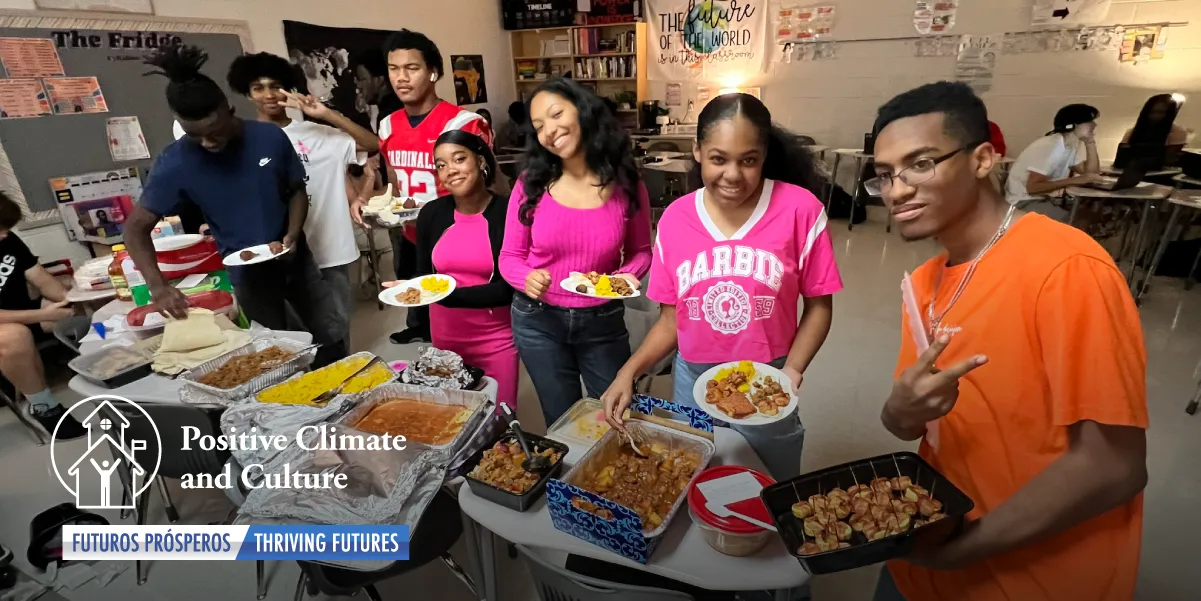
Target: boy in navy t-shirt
247 180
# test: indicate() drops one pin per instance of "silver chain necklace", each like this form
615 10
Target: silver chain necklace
971 270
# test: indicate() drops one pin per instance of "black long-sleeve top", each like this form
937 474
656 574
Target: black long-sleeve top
435 218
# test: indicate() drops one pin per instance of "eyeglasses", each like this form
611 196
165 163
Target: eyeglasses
920 171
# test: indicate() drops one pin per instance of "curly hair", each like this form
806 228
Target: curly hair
190 93
606 146
412 40
250 67
787 159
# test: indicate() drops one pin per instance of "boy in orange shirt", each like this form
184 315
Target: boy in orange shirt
1031 397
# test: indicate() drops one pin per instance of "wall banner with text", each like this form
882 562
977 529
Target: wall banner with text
720 40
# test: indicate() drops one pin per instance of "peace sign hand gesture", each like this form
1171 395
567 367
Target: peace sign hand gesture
923 393
307 104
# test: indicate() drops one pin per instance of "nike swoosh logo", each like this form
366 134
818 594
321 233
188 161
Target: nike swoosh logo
263 162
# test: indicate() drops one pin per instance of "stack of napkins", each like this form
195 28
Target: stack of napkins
380 207
201 337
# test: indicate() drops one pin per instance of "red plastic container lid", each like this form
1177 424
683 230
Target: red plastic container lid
750 507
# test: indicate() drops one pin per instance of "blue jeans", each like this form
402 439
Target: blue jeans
559 346
778 444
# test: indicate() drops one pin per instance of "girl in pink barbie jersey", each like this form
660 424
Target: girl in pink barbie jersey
731 263
460 235
579 206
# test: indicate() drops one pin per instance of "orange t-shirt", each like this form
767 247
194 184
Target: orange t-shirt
1053 314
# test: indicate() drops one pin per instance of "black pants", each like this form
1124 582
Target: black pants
601 570
404 262
266 290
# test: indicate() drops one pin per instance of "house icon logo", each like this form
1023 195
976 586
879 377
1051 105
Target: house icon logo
117 458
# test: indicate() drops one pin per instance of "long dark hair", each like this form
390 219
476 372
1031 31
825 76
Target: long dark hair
606 147
473 143
1155 132
190 93
787 160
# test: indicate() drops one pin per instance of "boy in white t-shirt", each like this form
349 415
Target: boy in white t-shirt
1066 156
326 152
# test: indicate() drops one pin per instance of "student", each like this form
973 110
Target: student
268 81
372 87
407 142
1065 157
1034 380
1156 125
755 205
26 321
460 235
514 132
249 183
579 206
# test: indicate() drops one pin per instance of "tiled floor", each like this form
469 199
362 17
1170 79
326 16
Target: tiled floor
842 395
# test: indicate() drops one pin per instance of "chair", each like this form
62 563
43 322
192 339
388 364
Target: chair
558 584
170 421
68 332
438 529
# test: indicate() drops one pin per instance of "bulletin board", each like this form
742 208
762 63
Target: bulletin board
75 141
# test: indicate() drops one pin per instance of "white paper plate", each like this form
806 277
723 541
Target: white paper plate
263 255
758 419
576 279
389 296
176 242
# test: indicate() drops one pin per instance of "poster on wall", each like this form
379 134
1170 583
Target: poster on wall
470 87
75 95
94 205
125 139
1069 12
30 57
603 12
1142 44
21 98
934 16
713 40
977 60
329 58
803 24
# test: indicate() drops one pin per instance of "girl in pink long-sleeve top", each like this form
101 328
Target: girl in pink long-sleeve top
579 206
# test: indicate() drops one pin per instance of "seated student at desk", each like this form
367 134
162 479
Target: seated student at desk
26 321
1156 123
1065 157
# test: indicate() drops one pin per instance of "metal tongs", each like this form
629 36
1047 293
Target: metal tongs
534 463
326 397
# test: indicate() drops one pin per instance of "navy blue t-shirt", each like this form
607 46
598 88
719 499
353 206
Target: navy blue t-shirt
243 190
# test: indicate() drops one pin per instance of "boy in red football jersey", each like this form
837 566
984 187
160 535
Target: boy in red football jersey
407 143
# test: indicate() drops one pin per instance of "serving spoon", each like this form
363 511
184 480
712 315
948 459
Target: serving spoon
534 463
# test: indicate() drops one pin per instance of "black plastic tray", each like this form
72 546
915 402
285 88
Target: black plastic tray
779 498
516 502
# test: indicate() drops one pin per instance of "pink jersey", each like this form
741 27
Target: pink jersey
737 298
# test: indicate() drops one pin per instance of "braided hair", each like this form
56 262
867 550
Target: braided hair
191 94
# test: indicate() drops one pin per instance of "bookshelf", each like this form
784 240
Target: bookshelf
610 59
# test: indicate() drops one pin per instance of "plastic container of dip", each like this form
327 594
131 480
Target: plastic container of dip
730 535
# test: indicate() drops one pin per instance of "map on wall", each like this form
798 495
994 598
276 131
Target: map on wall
1077 12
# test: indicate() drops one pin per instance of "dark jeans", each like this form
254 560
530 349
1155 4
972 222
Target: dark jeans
338 280
265 290
559 346
404 263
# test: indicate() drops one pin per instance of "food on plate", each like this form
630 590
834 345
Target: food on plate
745 368
244 368
434 284
303 389
769 396
727 397
247 255
650 486
420 421
113 361
411 296
884 507
802 510
501 467
593 277
586 505
582 289
275 248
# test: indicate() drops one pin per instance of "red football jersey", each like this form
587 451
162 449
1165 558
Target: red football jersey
410 150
